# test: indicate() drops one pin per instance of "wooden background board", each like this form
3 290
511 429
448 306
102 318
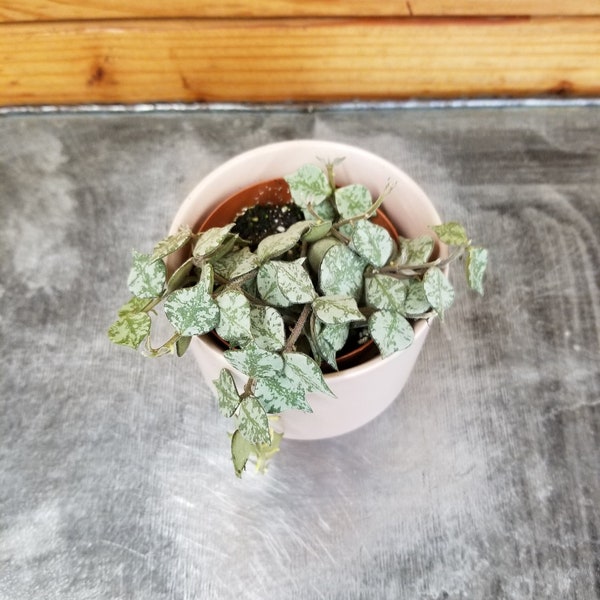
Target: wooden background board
107 51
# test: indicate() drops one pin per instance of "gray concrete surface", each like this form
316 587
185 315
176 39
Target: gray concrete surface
480 482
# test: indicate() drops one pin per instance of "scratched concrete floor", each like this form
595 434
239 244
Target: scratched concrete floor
480 482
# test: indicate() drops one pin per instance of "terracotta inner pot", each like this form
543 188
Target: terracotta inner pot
276 191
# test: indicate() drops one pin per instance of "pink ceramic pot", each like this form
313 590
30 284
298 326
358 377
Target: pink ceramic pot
364 391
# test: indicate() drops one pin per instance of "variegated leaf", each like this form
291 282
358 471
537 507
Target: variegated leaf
234 317
337 309
279 393
241 449
308 185
353 200
192 311
146 278
305 373
390 331
267 327
210 240
133 305
317 231
130 329
451 233
386 292
294 281
268 286
438 290
227 394
172 243
372 242
416 251
279 243
341 272
476 265
236 264
254 361
253 422
416 299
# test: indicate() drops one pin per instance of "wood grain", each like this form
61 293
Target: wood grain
55 10
296 59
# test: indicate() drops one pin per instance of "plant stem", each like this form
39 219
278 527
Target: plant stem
298 327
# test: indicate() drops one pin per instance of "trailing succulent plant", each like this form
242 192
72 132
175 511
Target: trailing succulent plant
287 306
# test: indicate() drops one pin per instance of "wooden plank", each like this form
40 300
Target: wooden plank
57 10
296 60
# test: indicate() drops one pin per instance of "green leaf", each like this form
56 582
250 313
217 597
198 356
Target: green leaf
353 200
416 299
294 282
267 328
241 449
438 290
210 240
133 305
337 309
416 251
268 287
130 329
146 278
386 292
253 421
278 393
180 276
317 231
330 339
476 265
234 317
279 243
172 243
192 311
308 185
207 278
325 211
341 272
303 372
236 264
254 361
451 233
390 331
182 344
227 394
372 242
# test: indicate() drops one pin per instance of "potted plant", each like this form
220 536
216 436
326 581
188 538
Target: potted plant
354 262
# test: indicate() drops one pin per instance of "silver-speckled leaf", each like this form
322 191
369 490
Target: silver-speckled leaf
133 305
211 239
146 278
341 272
192 311
438 290
415 251
294 281
386 292
254 361
390 331
227 394
372 242
234 317
172 243
305 373
279 243
279 393
308 185
451 233
130 329
180 275
337 309
476 265
237 263
267 328
353 200
253 422
416 299
268 287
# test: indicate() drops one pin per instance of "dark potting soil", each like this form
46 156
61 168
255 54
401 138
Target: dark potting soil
261 220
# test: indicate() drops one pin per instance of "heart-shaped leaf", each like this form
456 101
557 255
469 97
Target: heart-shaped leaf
294 281
308 185
254 361
438 290
130 330
227 394
451 233
305 373
253 422
234 317
278 393
416 251
172 243
353 200
390 331
341 272
210 240
372 242
416 299
267 328
386 292
337 309
147 277
268 286
241 449
192 311
236 264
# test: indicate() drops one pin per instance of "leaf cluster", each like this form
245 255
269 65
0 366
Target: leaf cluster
286 309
